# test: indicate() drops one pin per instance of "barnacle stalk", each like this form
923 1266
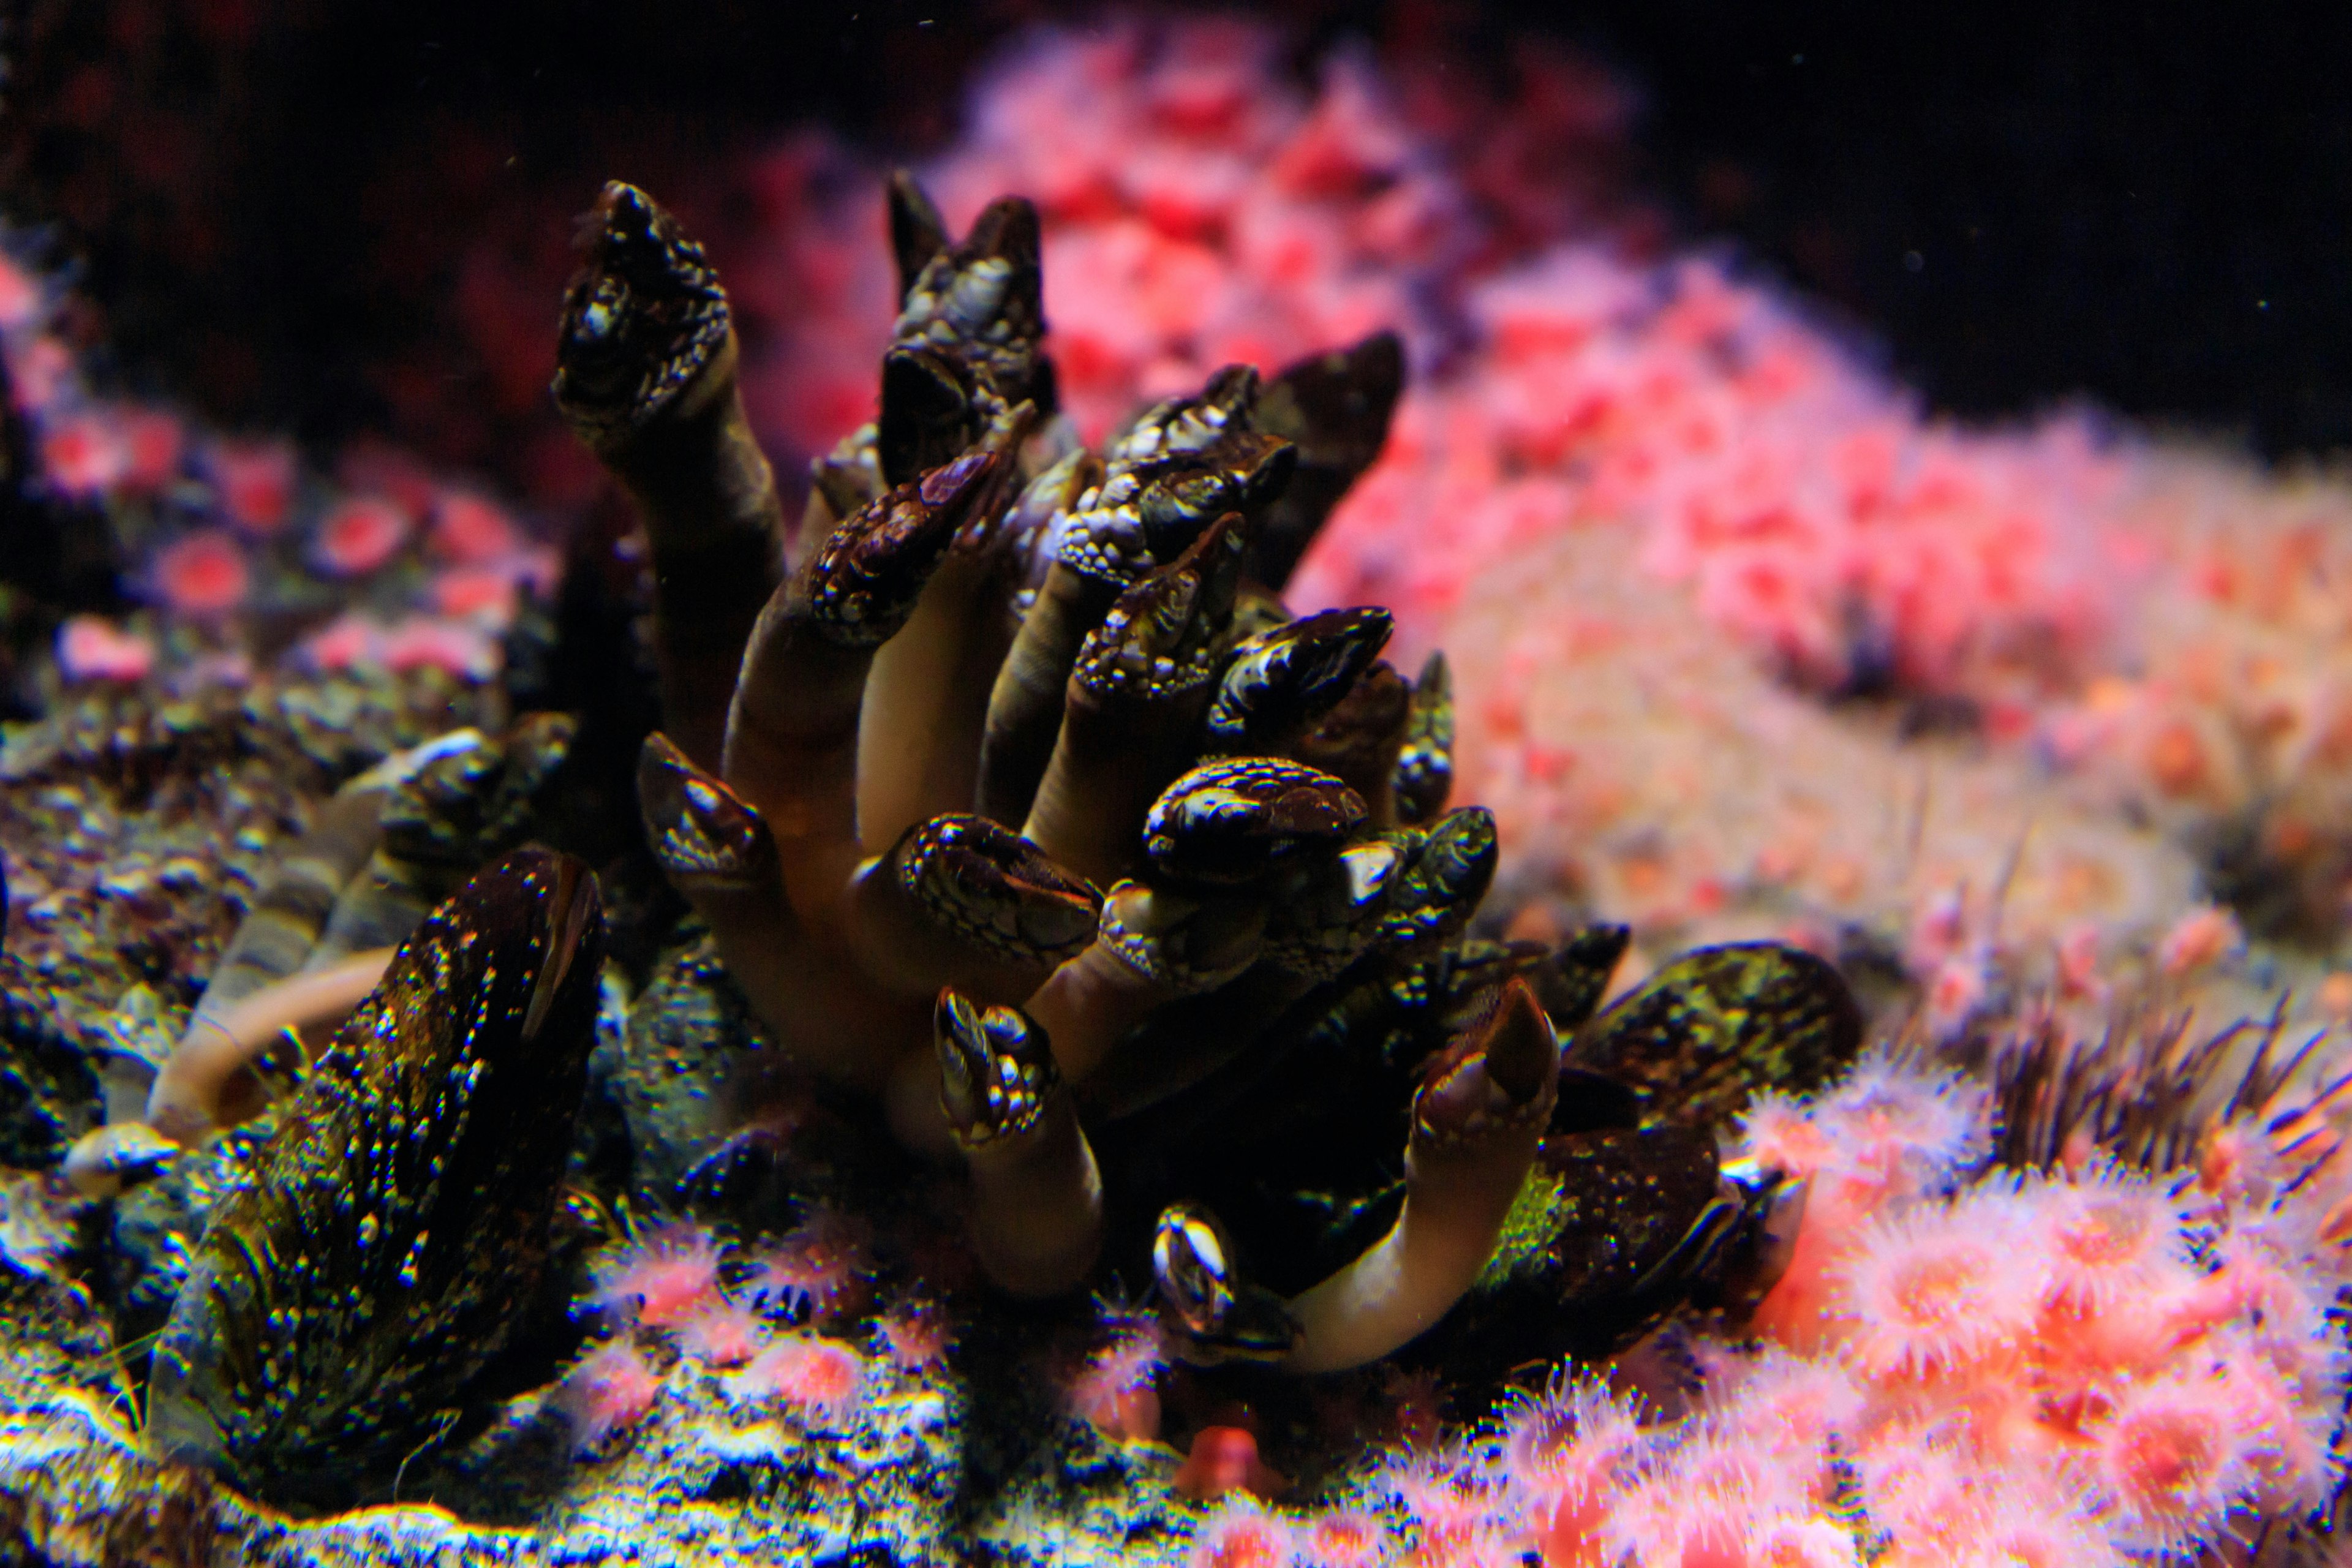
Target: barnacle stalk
1036 1217
646 373
1477 1123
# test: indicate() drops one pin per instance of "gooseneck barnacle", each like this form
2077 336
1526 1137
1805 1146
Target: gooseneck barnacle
1035 814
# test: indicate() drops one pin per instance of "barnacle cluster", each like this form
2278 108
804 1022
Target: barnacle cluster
1027 807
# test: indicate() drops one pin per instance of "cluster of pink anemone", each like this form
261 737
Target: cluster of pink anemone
1964 1365
222 527
671 1314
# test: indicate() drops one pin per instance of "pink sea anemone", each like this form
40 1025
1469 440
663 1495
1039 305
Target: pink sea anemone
255 482
84 455
1937 1288
822 1380
2104 1234
915 1335
2171 1460
609 1390
819 1269
1113 1387
1240 1537
471 530
1560 1445
718 1333
202 573
358 535
659 1279
1345 1538
92 648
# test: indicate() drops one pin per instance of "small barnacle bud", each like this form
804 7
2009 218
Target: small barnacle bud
1441 884
703 833
996 1069
1425 766
1212 1312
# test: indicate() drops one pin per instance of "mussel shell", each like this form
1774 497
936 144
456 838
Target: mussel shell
375 1258
1706 1033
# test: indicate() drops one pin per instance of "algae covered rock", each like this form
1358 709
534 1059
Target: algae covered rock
390 1233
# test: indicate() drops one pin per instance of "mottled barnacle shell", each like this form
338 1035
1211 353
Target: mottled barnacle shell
996 890
1706 1033
1335 910
967 344
1230 822
1281 681
861 583
386 1234
1159 640
1571 982
1446 874
644 316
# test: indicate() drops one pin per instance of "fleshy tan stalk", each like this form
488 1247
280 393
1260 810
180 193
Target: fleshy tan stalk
645 374
1475 1127
1134 704
719 853
793 732
1036 1217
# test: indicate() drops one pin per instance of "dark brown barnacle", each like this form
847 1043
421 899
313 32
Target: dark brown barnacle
469 806
1279 683
1445 877
1336 407
646 376
863 582
996 1069
1424 765
1229 823
1719 1025
993 888
1574 978
1616 1229
374 1257
1361 738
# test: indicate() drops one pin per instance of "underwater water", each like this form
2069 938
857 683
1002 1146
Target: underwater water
1238 824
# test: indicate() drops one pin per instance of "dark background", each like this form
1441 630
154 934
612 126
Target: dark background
2149 204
